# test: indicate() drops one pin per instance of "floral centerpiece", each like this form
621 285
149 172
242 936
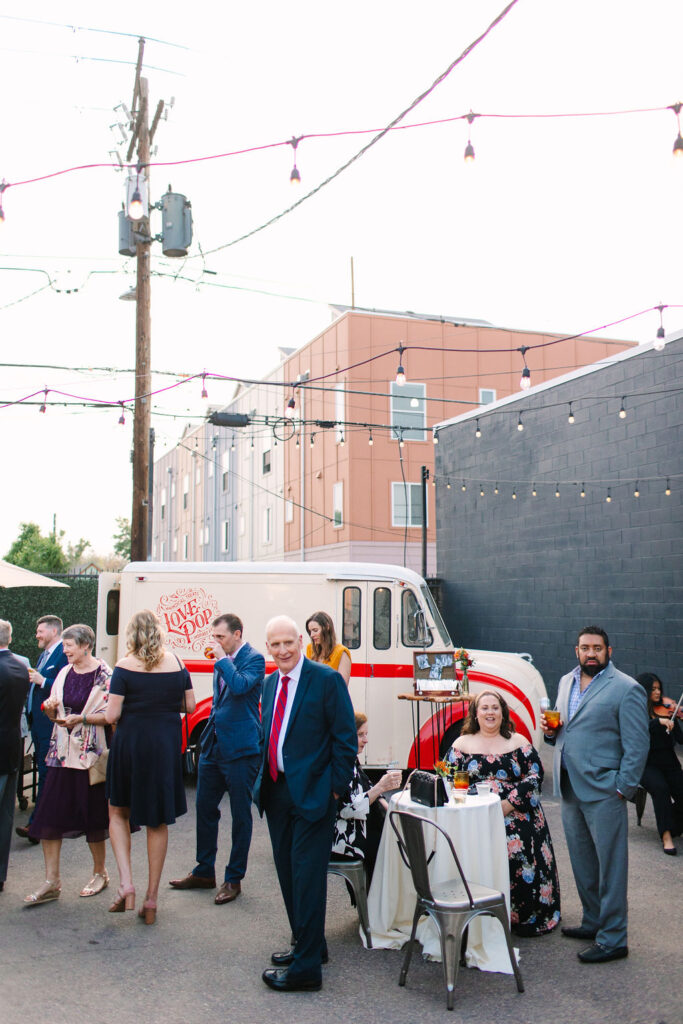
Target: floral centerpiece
463 661
445 770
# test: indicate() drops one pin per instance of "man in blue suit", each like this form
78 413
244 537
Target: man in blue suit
229 759
601 747
309 748
50 663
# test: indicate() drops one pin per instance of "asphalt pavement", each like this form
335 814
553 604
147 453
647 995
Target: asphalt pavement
70 960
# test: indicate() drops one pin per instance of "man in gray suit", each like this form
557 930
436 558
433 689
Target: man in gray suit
601 746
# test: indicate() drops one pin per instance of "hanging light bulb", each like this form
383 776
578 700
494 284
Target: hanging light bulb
481 491
135 207
636 492
667 490
435 438
608 499
514 495
232 444
205 393
294 176
520 425
678 144
533 490
43 407
291 406
660 340
525 379
469 148
414 402
401 442
495 489
312 440
252 440
297 445
400 372
557 490
477 432
583 491
622 411
122 417
570 418
342 442
370 441
464 487
448 485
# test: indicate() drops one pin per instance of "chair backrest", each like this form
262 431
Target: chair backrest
413 851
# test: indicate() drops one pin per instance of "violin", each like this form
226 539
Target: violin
667 707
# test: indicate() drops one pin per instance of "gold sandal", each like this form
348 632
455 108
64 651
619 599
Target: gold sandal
47 892
97 883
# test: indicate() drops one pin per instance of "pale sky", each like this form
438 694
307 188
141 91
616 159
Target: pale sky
559 225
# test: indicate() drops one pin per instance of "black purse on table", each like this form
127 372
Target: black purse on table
426 788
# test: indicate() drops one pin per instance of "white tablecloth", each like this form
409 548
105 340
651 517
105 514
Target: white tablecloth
477 830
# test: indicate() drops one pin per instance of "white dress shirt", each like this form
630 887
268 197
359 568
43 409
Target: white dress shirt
291 691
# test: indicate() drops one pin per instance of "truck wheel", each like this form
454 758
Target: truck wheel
449 737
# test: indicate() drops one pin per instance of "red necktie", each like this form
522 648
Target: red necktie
278 715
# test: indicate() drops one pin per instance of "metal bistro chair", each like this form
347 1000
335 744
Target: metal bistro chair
451 904
354 873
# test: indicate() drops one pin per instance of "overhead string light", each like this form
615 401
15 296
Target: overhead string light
43 407
660 340
469 148
608 499
136 209
520 425
205 393
533 490
435 438
622 411
514 495
122 417
294 176
557 490
312 441
481 491
570 418
678 144
583 491
232 444
495 489
477 432
291 407
400 372
463 488
636 492
667 489
342 442
525 379
370 441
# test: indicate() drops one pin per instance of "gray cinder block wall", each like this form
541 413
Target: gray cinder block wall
524 574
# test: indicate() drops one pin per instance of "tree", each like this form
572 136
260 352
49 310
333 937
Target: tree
122 538
74 552
39 554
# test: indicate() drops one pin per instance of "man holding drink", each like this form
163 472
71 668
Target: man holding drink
600 732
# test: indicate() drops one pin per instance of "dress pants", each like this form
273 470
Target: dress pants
665 785
597 839
8 794
215 778
301 850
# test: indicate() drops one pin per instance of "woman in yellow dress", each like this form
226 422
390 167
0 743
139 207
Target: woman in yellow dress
324 647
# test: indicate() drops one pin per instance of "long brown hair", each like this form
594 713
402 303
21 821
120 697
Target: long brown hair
471 725
328 639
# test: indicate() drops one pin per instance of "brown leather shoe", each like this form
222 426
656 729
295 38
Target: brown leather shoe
193 882
228 892
22 832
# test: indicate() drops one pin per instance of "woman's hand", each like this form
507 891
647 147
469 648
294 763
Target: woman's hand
50 710
70 722
507 808
390 780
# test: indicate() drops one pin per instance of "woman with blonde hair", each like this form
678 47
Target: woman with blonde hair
324 647
149 689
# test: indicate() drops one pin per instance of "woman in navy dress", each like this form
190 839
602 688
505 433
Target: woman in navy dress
149 689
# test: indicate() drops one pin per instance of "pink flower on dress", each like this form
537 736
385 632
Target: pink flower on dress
514 845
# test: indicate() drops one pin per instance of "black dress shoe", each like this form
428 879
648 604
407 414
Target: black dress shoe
22 832
287 957
579 933
599 954
193 882
281 982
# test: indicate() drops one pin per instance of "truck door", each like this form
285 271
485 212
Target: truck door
352 614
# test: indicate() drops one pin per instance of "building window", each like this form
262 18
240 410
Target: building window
186 490
225 535
289 511
351 609
186 545
197 475
339 410
266 461
409 411
486 396
225 469
338 505
406 504
381 619
267 524
163 551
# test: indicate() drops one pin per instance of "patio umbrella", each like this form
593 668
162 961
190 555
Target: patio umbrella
15 576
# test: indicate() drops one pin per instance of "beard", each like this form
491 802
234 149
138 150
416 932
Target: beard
594 667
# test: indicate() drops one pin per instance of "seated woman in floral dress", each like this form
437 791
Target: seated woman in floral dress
490 750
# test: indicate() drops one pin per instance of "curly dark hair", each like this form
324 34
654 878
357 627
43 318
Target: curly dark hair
471 725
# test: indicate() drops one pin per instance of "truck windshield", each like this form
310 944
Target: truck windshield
436 615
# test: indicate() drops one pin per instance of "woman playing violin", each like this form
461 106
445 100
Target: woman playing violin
663 775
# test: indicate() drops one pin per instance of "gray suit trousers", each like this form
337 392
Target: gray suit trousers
597 838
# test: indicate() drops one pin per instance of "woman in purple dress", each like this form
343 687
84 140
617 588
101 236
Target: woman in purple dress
69 806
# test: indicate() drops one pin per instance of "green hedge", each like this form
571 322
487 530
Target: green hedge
23 605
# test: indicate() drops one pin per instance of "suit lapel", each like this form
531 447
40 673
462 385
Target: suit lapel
594 689
267 701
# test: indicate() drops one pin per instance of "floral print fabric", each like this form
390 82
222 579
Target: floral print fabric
534 885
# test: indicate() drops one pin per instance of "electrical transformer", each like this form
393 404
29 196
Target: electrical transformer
176 224
127 246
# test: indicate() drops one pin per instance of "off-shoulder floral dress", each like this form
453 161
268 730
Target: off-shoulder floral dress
534 885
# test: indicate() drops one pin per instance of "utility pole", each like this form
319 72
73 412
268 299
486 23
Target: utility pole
140 529
425 478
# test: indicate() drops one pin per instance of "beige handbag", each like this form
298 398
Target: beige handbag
97 772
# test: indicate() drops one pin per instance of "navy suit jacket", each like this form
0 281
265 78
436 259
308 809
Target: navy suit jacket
14 684
234 725
41 725
321 743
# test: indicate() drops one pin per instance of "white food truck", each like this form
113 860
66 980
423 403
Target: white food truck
384 614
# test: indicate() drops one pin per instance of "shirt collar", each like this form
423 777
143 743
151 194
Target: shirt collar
293 676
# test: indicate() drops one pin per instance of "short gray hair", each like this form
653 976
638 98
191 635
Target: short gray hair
5 633
80 634
281 620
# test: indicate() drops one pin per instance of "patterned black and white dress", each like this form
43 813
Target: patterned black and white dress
358 826
534 886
